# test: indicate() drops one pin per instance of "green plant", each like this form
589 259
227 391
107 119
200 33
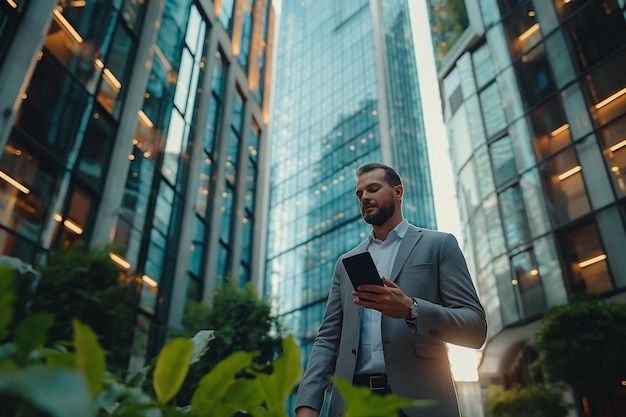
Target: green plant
242 322
584 338
40 381
533 401
85 284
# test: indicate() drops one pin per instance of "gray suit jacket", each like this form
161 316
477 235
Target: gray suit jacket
429 266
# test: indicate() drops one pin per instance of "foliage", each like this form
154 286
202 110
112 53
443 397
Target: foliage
584 338
85 284
36 381
360 402
534 401
242 322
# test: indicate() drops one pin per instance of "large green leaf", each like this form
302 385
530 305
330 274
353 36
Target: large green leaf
362 402
60 392
171 368
214 385
277 386
7 297
31 333
89 356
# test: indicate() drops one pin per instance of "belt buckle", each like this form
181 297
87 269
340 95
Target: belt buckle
378 382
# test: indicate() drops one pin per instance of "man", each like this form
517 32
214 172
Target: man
391 337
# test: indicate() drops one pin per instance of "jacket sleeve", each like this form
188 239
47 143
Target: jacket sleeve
323 356
458 317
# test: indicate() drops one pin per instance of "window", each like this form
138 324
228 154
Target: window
483 67
493 111
51 108
586 260
565 189
523 30
95 150
606 89
502 160
535 77
595 31
613 142
513 217
527 284
550 128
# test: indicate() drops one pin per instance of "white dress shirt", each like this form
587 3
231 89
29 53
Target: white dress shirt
371 358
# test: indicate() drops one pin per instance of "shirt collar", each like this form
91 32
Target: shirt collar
398 232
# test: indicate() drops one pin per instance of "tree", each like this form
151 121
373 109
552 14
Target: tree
534 401
85 284
583 343
586 337
242 322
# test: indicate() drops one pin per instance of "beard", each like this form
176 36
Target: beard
379 216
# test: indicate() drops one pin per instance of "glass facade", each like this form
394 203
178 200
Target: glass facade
346 94
535 108
145 127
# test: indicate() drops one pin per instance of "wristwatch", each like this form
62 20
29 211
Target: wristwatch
413 310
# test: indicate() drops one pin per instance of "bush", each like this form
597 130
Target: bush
533 401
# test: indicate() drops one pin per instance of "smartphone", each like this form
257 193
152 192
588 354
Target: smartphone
361 269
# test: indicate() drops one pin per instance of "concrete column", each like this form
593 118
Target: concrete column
118 168
179 286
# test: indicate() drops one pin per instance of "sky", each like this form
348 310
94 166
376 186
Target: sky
463 360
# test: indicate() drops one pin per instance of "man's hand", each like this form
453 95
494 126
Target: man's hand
388 299
306 412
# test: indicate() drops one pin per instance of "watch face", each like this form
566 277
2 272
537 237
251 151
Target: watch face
414 310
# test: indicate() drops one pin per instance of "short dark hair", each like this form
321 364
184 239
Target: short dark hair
391 176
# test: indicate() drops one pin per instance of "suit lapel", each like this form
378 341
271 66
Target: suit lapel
410 239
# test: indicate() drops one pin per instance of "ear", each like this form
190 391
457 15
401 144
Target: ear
399 191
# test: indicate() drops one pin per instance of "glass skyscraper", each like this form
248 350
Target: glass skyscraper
346 93
142 124
534 97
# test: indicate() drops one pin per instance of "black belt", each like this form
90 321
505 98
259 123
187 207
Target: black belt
375 382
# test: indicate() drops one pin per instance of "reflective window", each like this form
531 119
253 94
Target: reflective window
513 217
527 284
586 260
9 16
550 270
225 13
535 76
493 112
71 226
596 178
565 189
502 160
197 249
560 60
522 29
217 89
606 89
612 228
577 111
504 283
245 36
51 106
96 150
204 187
28 184
483 67
550 128
132 12
595 31
77 36
613 142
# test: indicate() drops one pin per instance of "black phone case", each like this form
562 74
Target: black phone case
361 269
